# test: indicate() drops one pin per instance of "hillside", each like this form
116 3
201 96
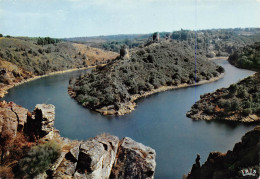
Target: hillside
23 58
242 160
240 102
157 67
42 59
247 57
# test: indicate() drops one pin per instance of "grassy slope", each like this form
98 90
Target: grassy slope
148 68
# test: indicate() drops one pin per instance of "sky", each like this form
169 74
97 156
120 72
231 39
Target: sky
81 18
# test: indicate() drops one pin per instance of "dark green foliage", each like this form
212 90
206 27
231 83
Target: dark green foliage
247 57
47 40
39 158
1 35
240 99
156 65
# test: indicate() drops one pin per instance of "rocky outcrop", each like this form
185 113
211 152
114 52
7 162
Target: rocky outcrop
233 164
96 157
45 116
156 37
134 160
124 53
104 156
12 118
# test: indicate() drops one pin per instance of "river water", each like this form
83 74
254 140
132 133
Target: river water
159 121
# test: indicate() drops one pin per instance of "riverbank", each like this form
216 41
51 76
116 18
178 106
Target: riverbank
4 89
238 103
130 106
218 58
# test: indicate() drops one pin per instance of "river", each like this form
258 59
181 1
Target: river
159 121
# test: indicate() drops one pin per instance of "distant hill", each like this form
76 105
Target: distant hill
114 88
247 57
42 59
211 42
108 38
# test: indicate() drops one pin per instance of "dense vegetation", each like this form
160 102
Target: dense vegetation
237 102
247 57
43 55
148 68
47 40
24 158
39 158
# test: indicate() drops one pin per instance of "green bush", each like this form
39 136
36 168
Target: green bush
39 158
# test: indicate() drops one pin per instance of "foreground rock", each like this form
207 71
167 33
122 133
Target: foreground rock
160 66
240 103
104 156
134 160
233 164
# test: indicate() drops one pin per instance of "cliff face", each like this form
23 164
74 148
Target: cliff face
156 67
233 164
240 103
104 156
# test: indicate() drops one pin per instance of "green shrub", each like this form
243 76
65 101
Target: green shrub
39 158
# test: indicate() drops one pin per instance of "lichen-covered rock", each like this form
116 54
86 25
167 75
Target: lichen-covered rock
103 156
45 116
12 118
96 156
134 160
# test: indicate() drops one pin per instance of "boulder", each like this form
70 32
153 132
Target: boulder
12 118
44 118
134 160
96 157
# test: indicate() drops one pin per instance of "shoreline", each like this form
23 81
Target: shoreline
130 106
5 89
218 58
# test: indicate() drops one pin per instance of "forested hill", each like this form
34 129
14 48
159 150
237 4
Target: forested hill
247 57
114 88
